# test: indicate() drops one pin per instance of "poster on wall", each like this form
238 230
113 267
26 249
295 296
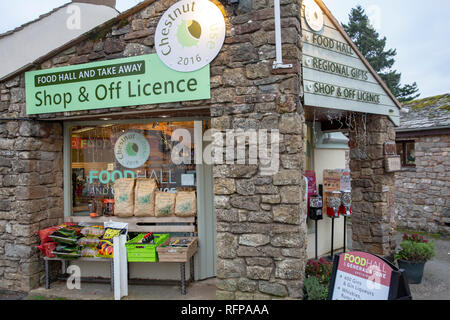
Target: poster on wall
364 276
331 182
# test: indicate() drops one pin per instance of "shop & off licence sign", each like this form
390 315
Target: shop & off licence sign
109 84
364 276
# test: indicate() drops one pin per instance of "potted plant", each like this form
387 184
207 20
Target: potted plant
414 253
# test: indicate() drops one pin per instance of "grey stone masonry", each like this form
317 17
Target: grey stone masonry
373 190
423 192
261 220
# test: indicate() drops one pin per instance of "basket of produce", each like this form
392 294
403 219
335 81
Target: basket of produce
177 249
142 248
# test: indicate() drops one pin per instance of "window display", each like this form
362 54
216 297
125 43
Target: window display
104 153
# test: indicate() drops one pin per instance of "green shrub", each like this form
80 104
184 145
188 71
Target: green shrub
314 289
415 248
321 269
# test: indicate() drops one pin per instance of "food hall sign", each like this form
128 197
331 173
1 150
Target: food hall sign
364 276
109 84
335 76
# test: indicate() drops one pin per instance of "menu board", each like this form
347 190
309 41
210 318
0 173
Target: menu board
361 276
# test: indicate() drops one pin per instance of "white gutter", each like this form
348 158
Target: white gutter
278 63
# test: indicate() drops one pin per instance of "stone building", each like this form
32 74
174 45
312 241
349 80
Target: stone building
255 224
423 186
76 18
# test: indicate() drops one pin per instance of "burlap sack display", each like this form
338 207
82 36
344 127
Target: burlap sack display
144 197
164 204
124 197
185 204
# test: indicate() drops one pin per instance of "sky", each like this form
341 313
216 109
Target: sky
417 29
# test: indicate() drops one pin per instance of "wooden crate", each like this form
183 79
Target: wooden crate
177 254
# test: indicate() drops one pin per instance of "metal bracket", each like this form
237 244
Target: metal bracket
278 63
281 65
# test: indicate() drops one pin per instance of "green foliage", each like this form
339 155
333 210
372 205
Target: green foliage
320 269
314 289
415 248
373 47
318 274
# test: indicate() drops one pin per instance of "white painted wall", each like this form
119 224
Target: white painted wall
326 159
49 33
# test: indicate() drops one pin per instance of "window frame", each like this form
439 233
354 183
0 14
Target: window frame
67 148
405 164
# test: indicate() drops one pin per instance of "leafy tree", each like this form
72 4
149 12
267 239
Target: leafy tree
372 46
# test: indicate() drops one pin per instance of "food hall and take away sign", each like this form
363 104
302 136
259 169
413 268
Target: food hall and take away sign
114 83
364 276
335 74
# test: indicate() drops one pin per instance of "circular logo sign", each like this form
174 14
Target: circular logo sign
189 35
132 150
313 15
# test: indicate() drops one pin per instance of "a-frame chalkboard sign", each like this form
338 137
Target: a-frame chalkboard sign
363 276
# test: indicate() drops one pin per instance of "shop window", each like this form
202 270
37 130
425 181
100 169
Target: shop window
405 149
102 153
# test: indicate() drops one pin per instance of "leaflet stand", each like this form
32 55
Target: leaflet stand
120 261
120 267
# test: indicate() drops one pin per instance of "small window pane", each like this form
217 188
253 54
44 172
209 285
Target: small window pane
410 154
400 150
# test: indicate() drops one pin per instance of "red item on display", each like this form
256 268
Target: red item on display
47 249
330 213
44 234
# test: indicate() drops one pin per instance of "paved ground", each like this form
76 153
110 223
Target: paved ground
435 285
436 278
199 290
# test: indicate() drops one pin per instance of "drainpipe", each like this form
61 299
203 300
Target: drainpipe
278 63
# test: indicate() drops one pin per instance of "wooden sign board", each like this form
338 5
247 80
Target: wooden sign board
364 276
335 76
390 148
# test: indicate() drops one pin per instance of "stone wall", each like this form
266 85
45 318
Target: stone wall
423 193
373 189
260 219
30 187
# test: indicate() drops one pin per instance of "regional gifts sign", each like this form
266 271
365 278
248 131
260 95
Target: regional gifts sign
364 276
115 83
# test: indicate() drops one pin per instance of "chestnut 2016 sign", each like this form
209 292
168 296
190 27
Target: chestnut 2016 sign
364 276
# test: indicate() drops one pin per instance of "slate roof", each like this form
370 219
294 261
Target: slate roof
426 114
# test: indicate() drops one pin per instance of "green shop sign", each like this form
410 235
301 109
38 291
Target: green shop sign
108 84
